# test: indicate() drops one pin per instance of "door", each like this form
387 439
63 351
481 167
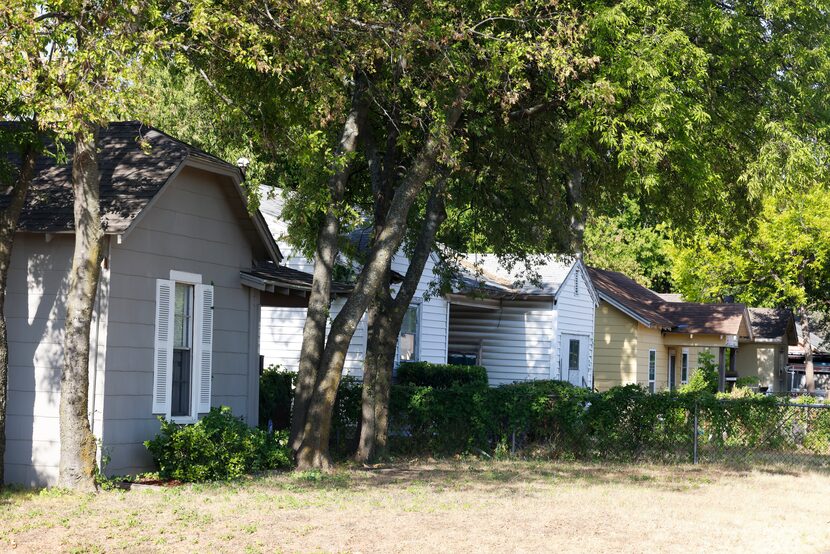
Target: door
672 369
574 360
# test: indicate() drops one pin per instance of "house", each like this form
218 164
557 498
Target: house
424 332
176 320
518 331
795 379
524 329
765 358
655 340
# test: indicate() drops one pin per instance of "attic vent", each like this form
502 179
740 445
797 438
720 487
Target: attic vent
576 283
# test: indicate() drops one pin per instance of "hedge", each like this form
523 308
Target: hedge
423 374
557 419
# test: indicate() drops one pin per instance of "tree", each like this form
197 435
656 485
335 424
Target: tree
441 65
70 66
625 241
783 260
23 76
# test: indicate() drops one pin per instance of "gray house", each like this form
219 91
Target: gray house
175 331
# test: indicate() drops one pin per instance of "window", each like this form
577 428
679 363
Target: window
183 347
652 370
684 367
573 355
408 339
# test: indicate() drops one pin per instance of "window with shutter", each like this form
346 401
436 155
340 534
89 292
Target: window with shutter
183 347
204 348
163 356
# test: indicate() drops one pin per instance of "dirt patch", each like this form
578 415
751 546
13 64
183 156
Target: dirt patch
464 505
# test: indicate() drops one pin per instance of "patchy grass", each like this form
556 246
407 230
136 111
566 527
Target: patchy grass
461 505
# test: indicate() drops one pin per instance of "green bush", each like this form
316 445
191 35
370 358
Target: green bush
218 446
423 374
706 378
276 390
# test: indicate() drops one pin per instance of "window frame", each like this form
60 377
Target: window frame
191 280
652 370
416 347
186 346
684 366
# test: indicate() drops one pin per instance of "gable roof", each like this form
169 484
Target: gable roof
773 324
272 275
136 162
630 297
651 309
486 274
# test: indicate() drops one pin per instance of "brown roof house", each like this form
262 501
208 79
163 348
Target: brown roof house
655 340
186 267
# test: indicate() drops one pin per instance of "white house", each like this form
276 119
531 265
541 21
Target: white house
176 320
518 331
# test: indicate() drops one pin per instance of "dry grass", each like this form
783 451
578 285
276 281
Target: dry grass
455 506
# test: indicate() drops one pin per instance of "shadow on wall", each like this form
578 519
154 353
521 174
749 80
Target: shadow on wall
38 280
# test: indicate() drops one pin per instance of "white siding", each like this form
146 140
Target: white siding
515 341
432 345
195 226
522 340
282 328
575 316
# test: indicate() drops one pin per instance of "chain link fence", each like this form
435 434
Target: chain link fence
783 433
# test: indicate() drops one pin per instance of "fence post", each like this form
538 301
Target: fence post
694 453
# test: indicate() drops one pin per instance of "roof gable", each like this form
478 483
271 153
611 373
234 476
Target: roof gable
136 162
652 309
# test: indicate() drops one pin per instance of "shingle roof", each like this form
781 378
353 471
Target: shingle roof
291 278
773 324
691 317
135 162
486 274
686 317
631 295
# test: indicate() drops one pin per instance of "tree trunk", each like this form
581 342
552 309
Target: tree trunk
314 450
8 225
78 448
384 325
314 329
575 204
809 370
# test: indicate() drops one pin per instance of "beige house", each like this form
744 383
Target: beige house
656 340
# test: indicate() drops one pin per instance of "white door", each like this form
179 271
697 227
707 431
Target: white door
574 359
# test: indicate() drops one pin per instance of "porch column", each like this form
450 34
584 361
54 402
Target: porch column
721 369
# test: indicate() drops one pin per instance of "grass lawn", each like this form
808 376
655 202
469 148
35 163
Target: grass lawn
453 506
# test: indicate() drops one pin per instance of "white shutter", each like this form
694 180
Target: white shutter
203 346
163 356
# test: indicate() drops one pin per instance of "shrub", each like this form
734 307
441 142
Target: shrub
423 374
276 390
746 382
706 378
218 446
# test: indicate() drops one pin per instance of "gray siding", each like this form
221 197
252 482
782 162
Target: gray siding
195 226
35 313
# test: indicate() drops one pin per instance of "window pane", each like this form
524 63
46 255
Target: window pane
684 367
573 355
652 365
408 340
183 315
180 394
